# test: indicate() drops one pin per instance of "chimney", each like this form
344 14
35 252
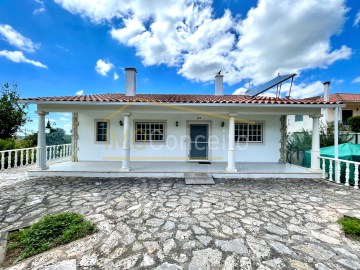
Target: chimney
326 91
130 82
219 85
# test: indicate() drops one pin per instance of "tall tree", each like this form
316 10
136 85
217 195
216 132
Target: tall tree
12 113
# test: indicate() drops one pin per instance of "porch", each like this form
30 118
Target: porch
175 169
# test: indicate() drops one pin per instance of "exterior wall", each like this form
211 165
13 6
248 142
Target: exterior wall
298 126
176 146
307 121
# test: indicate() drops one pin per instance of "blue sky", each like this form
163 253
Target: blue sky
68 47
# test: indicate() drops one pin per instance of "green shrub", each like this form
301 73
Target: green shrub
354 123
350 225
50 231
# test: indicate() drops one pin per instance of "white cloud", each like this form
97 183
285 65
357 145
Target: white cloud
17 40
38 10
298 91
103 67
356 80
116 76
271 39
64 119
80 93
67 128
357 19
19 57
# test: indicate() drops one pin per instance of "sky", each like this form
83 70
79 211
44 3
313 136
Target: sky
74 47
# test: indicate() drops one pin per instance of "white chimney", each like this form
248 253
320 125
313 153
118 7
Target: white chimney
219 85
326 91
130 82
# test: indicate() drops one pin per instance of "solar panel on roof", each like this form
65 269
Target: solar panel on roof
270 84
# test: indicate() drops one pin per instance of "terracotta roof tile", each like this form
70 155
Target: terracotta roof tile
345 97
173 98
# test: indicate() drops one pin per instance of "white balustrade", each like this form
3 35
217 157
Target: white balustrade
26 156
336 170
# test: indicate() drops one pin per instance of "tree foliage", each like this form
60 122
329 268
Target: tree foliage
57 136
354 123
12 113
302 141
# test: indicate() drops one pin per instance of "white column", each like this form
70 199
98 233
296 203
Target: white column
336 145
231 150
315 147
126 144
41 146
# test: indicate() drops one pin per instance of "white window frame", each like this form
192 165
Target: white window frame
107 130
253 123
151 122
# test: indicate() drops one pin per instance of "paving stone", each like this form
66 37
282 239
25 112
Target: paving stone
147 260
300 265
245 263
237 245
229 263
276 263
168 266
62 265
352 264
281 248
275 229
258 246
316 251
206 259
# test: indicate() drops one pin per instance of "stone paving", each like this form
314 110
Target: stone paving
15 175
164 224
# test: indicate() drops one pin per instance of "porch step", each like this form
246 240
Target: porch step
198 179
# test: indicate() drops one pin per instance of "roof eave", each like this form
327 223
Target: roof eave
229 104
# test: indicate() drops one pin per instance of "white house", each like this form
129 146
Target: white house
352 108
224 130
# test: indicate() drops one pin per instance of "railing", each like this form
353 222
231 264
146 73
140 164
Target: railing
27 156
340 171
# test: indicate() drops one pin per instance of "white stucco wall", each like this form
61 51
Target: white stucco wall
176 146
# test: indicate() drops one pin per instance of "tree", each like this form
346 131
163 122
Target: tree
12 113
57 136
354 123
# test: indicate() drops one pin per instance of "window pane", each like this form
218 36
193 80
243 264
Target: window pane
101 131
149 131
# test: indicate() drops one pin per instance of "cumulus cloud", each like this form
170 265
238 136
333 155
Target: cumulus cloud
80 93
271 39
17 40
19 57
356 80
103 67
116 76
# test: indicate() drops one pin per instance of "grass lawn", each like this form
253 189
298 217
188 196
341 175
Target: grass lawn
351 226
50 231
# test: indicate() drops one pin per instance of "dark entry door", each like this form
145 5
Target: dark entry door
199 141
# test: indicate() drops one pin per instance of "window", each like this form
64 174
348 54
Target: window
245 132
149 131
346 114
102 131
299 118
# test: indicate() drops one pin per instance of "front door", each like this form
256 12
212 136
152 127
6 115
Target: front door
199 141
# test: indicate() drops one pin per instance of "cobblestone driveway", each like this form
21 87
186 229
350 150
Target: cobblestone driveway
164 224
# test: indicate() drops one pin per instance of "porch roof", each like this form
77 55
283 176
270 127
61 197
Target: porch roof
175 99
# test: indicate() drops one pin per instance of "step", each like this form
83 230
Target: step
198 179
